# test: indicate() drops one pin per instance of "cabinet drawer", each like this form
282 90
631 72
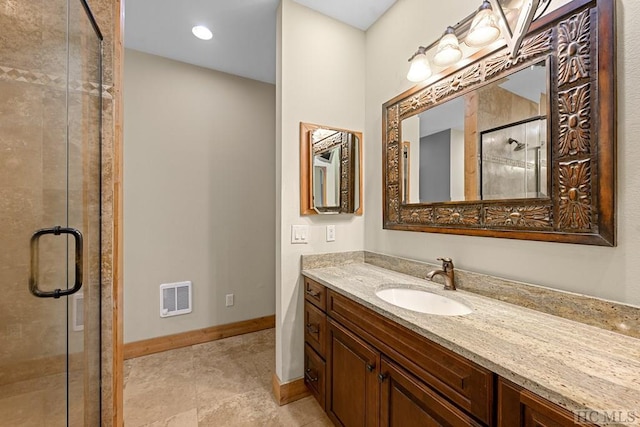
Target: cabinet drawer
315 328
461 381
314 374
315 293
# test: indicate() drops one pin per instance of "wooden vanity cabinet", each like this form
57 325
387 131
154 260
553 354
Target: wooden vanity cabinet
518 407
366 370
463 383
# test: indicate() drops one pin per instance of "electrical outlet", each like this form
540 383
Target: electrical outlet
331 233
229 300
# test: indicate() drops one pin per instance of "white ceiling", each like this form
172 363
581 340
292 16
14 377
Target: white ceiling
244 31
357 13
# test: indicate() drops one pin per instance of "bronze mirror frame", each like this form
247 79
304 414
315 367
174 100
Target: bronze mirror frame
347 184
578 41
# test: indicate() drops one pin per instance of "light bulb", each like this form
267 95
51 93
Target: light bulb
420 69
202 32
448 51
484 27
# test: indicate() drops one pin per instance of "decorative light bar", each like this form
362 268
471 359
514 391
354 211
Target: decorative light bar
477 30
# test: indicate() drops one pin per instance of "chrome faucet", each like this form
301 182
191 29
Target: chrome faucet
446 272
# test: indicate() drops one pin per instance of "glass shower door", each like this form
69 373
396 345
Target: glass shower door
50 166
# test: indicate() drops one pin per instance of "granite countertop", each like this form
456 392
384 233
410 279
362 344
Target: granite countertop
569 363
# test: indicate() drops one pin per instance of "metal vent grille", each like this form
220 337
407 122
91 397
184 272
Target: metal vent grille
175 298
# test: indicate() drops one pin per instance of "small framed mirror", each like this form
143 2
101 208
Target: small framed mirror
331 176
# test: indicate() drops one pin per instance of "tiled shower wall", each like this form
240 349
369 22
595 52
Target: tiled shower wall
107 13
32 74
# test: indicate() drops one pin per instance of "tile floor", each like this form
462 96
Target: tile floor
218 384
36 402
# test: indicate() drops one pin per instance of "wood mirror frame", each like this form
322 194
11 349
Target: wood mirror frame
348 197
579 41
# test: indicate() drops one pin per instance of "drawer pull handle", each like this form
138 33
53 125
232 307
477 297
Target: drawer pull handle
313 329
382 377
313 294
371 367
308 376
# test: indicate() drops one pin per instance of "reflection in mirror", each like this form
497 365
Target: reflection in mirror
326 169
456 153
514 161
330 170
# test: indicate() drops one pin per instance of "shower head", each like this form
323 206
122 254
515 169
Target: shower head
519 145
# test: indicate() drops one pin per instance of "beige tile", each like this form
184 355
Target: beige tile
261 341
265 363
157 400
302 412
183 419
232 381
21 23
227 346
25 410
56 411
168 366
323 422
159 386
254 408
224 377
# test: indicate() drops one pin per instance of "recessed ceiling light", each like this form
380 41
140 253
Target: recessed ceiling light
202 32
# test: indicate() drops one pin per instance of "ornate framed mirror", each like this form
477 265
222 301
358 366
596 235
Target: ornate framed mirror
521 147
330 172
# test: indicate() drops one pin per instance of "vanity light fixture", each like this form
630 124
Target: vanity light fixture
484 27
448 51
202 32
420 68
479 29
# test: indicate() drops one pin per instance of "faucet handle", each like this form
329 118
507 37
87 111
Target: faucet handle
447 263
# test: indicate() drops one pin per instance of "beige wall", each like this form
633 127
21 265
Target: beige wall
199 194
320 79
610 273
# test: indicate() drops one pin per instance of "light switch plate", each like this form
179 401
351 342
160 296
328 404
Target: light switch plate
299 234
331 233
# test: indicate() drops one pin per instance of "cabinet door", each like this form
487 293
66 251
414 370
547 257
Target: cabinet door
353 390
406 401
518 407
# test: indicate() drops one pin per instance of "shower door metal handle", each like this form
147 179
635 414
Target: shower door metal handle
33 277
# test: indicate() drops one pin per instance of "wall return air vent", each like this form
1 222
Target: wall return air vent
175 298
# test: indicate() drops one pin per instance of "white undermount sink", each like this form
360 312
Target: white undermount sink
423 301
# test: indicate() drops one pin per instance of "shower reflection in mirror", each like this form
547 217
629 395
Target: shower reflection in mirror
514 161
486 144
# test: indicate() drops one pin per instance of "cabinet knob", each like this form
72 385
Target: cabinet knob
382 377
313 329
308 376
371 367
312 293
